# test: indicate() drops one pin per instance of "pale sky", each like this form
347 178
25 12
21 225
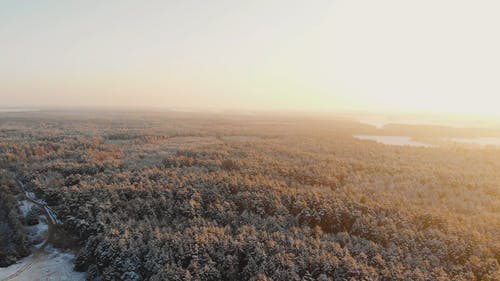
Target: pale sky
323 55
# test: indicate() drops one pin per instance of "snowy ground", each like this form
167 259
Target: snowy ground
37 234
25 207
46 263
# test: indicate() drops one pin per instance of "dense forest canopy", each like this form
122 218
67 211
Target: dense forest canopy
212 197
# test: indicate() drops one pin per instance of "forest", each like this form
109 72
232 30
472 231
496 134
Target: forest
185 196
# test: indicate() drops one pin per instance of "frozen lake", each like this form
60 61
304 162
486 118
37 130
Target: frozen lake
393 140
478 141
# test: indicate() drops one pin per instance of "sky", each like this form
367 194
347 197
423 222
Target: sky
323 55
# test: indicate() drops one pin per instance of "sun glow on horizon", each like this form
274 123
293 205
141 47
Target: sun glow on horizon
421 56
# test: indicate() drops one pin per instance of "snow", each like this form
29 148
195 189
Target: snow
37 233
46 264
5 272
30 194
25 207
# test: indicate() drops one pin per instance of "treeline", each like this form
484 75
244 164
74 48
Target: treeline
13 241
